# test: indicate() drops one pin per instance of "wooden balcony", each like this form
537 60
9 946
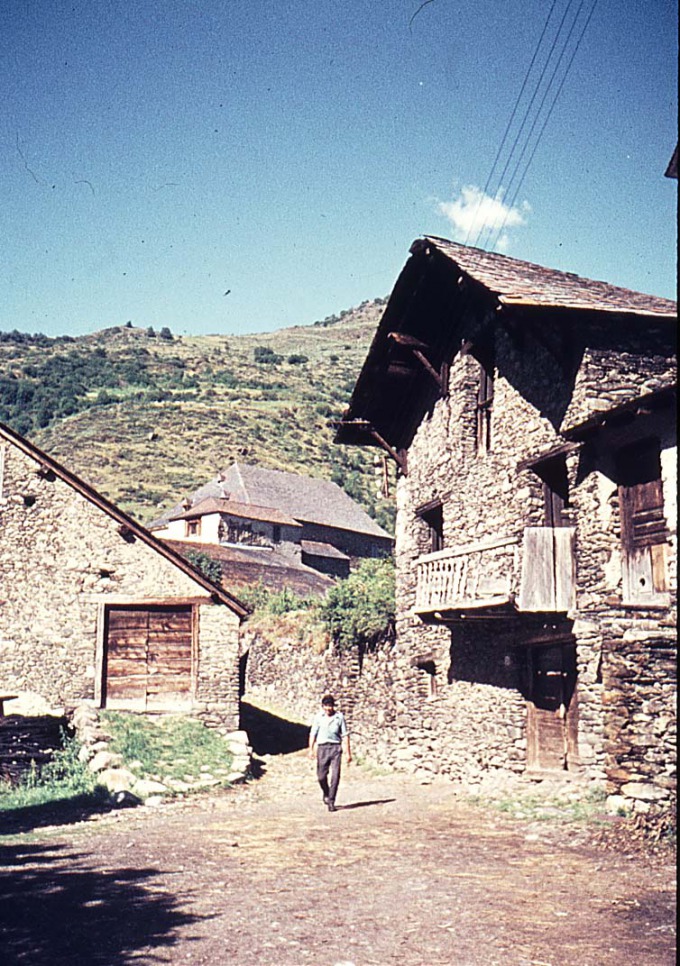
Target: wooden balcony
531 574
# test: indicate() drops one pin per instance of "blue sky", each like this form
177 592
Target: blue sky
156 154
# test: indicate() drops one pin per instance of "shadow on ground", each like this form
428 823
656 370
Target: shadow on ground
57 910
376 801
65 812
271 735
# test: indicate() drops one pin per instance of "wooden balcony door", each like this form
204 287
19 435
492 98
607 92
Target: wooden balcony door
148 659
551 709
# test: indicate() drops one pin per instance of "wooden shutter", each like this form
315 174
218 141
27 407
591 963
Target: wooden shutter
644 534
642 517
547 577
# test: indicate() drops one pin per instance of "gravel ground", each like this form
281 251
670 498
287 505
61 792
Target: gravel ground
264 875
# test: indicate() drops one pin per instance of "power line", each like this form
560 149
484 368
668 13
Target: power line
529 109
513 197
522 141
509 124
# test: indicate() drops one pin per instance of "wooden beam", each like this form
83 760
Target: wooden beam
429 367
363 425
416 347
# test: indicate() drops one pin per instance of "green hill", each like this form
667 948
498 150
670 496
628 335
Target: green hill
146 416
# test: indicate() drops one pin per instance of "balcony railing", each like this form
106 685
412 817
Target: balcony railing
534 573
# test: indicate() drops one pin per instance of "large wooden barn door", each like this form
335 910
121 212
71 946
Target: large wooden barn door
148 658
551 709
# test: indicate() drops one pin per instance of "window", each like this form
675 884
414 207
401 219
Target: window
553 473
193 528
644 534
484 403
432 516
277 533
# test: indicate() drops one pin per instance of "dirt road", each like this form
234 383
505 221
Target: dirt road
401 874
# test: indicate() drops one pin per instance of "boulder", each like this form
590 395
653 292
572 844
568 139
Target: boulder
117 779
105 759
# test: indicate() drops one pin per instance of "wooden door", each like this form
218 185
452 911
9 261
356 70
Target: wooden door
551 709
148 658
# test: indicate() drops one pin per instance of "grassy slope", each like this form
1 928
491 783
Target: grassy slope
146 453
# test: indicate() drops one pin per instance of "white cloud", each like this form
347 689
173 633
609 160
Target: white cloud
472 213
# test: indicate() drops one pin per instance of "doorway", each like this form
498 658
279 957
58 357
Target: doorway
552 713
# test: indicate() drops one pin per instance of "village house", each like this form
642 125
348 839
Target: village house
531 414
275 526
94 608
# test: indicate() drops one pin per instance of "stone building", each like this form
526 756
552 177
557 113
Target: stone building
531 413
283 519
95 608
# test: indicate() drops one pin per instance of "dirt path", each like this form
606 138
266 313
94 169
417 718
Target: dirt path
401 874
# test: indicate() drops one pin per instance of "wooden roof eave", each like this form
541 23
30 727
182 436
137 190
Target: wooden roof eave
640 406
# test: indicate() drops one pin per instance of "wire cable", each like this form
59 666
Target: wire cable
509 125
518 187
487 231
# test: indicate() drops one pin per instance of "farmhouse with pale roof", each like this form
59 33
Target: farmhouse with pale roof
301 524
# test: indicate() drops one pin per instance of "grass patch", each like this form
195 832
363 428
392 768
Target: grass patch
61 779
171 748
565 809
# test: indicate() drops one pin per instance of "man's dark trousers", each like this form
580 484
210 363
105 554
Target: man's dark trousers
328 757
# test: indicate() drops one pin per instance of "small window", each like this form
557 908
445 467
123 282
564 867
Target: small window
553 473
277 533
432 516
484 404
193 528
644 534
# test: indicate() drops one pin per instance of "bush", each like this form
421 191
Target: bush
275 602
210 568
359 611
297 360
264 355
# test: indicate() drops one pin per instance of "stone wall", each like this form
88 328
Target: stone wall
61 559
486 495
400 715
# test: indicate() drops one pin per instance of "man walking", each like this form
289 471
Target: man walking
327 735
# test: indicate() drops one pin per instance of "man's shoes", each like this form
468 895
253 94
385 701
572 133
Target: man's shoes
331 807
325 799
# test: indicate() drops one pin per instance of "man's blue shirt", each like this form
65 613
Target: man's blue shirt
329 729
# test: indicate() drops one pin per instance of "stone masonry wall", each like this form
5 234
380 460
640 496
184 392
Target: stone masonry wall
61 558
397 716
485 496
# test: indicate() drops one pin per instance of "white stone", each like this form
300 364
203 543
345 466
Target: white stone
615 804
117 779
641 791
144 787
105 759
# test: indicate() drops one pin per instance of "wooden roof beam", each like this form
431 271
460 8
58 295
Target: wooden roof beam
416 347
399 456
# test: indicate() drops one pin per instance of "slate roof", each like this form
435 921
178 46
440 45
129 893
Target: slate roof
298 498
516 282
234 509
317 549
247 567
441 287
